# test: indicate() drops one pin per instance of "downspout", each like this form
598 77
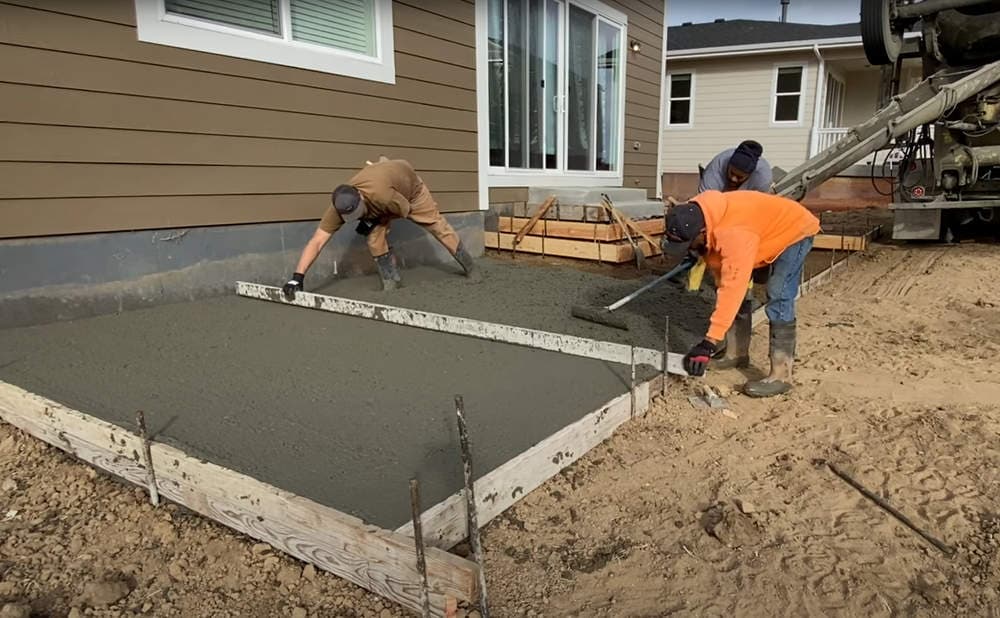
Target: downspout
817 103
663 108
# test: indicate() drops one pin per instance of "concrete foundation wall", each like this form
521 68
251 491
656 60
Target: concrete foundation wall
66 277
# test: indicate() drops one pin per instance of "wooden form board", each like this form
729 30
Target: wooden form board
444 524
578 230
840 243
503 333
613 253
378 560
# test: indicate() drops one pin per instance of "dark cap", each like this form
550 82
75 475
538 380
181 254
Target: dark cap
684 223
346 199
746 155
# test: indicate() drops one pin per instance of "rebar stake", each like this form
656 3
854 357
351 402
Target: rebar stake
418 538
632 383
666 355
471 512
147 456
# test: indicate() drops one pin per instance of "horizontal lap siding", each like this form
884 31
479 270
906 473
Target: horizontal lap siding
732 102
642 92
101 132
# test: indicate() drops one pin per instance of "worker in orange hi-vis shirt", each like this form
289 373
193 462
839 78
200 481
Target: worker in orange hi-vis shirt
737 232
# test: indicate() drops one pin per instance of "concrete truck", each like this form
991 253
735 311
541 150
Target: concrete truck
947 128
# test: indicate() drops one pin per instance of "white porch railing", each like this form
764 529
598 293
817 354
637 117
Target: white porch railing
825 138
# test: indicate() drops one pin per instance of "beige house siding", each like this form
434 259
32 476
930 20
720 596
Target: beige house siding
101 132
732 102
860 96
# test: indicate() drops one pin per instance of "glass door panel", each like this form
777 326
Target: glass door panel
580 84
608 82
553 62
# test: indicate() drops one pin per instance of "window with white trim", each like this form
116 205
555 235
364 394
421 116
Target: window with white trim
680 99
787 99
344 37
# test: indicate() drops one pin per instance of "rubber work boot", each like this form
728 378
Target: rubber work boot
466 262
779 381
388 272
736 354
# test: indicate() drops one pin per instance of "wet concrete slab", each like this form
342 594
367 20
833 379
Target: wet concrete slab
523 292
341 410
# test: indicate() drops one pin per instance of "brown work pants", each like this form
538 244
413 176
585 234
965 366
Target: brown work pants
424 212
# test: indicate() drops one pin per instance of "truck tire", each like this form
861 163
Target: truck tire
882 45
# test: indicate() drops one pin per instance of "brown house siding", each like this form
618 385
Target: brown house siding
642 91
101 132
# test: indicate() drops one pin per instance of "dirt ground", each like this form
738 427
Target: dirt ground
685 512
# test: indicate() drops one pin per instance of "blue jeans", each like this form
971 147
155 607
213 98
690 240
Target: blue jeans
783 286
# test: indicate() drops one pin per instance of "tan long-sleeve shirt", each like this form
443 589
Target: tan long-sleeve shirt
387 187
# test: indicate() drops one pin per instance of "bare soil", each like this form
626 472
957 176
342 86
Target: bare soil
685 512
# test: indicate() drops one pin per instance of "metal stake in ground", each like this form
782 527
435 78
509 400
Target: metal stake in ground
471 513
632 385
147 456
666 355
885 506
418 538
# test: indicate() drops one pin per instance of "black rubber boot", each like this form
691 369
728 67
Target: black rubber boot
466 262
388 272
736 354
779 381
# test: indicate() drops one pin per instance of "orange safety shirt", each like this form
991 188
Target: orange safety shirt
746 230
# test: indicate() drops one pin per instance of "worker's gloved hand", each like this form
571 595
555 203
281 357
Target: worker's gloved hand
294 285
696 360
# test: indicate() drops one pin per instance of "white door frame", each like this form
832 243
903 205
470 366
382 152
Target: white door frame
493 177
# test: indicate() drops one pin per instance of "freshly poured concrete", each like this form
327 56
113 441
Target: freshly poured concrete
540 296
341 410
345 410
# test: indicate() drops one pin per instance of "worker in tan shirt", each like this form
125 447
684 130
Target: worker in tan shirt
381 192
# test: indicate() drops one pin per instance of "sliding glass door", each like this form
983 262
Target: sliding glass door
555 87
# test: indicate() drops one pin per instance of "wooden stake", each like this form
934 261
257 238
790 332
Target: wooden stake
154 493
471 513
666 354
418 538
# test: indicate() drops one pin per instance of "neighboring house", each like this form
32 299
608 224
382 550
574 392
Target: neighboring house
795 88
121 116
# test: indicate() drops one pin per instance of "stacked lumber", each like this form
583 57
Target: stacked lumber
600 242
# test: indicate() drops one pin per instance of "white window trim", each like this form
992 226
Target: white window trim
154 25
802 96
669 99
503 177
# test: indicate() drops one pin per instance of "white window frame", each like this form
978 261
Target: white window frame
690 99
155 25
801 94
490 176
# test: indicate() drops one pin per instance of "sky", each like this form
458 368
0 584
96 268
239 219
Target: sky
799 11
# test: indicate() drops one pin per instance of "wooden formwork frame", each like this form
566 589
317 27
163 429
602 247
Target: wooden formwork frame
379 560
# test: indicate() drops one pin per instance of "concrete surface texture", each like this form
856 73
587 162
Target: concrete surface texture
67 277
523 292
340 410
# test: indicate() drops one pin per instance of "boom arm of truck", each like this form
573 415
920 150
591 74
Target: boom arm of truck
926 102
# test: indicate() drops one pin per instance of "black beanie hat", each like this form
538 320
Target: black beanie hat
684 223
746 156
